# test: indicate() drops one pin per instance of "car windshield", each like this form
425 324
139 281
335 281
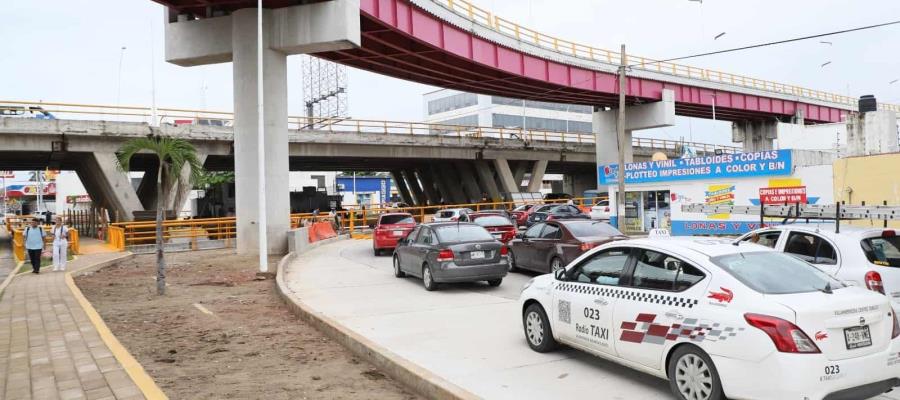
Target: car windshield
491 220
770 272
883 251
592 228
462 233
397 219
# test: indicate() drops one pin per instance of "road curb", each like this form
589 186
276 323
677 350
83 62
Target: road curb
132 367
409 374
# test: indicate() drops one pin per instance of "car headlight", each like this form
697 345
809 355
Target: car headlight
527 284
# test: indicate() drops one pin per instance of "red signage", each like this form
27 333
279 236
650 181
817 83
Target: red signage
782 195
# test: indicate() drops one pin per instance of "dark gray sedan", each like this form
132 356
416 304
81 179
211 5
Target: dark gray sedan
451 252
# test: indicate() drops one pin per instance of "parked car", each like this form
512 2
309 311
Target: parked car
601 210
557 212
498 211
549 246
502 228
557 196
520 214
718 320
390 228
450 214
867 257
540 208
451 252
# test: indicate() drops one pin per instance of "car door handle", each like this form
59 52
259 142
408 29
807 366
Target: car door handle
675 315
601 302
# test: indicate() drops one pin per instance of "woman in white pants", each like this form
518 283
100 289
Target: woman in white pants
60 244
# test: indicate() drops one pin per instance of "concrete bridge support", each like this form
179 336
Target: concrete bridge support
505 176
755 135
110 187
519 169
486 180
537 176
415 187
638 117
322 26
428 186
405 195
469 181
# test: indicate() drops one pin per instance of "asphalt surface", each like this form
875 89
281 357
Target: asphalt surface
469 334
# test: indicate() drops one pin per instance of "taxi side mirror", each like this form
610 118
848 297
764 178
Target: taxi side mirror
560 274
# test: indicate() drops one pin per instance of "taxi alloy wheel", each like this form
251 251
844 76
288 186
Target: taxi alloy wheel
397 271
693 376
428 278
538 333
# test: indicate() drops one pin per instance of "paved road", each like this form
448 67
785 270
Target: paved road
7 262
469 334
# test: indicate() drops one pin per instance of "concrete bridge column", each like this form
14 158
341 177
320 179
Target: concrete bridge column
443 184
486 180
518 169
469 181
180 192
537 176
412 182
108 186
638 117
431 194
146 190
454 182
405 196
755 135
304 28
505 176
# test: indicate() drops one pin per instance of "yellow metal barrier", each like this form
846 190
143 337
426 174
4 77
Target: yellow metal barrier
125 234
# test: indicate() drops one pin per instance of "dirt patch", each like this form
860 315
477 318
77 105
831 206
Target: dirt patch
221 333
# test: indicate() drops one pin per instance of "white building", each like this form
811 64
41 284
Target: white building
461 108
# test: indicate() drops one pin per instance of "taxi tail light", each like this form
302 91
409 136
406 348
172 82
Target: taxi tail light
587 246
606 209
505 250
888 233
445 255
873 282
787 337
896 331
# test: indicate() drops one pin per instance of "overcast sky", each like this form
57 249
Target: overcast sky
69 51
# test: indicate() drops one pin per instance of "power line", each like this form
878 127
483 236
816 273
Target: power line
772 43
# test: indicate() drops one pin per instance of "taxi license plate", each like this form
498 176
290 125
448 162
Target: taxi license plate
476 255
398 233
857 336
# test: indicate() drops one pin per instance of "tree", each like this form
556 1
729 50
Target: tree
174 155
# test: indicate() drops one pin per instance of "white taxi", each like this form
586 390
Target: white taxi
718 319
861 256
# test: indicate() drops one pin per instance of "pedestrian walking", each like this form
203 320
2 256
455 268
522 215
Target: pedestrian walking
34 244
60 244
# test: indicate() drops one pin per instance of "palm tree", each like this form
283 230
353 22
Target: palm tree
174 155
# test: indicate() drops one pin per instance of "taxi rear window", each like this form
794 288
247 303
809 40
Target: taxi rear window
462 233
772 272
884 251
397 219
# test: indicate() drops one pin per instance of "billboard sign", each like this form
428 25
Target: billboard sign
782 195
739 165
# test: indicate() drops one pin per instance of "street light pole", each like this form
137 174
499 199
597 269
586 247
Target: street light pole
119 86
620 141
260 145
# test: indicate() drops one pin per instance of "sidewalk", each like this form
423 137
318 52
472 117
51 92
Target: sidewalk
49 348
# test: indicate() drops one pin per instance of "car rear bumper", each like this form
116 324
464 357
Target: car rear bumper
450 272
385 243
803 376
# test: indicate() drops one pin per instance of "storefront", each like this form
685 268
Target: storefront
656 190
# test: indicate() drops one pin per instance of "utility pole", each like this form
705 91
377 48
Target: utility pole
620 139
262 215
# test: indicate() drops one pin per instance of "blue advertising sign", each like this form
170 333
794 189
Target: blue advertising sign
740 165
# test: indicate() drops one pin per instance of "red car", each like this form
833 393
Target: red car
391 227
500 227
520 213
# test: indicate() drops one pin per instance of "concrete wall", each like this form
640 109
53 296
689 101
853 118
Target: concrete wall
870 179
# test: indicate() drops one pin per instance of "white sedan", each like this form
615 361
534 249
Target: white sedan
718 320
600 210
861 256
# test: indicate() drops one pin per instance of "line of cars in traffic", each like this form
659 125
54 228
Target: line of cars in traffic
804 309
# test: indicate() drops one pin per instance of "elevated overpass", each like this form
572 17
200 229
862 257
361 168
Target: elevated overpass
432 163
452 44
